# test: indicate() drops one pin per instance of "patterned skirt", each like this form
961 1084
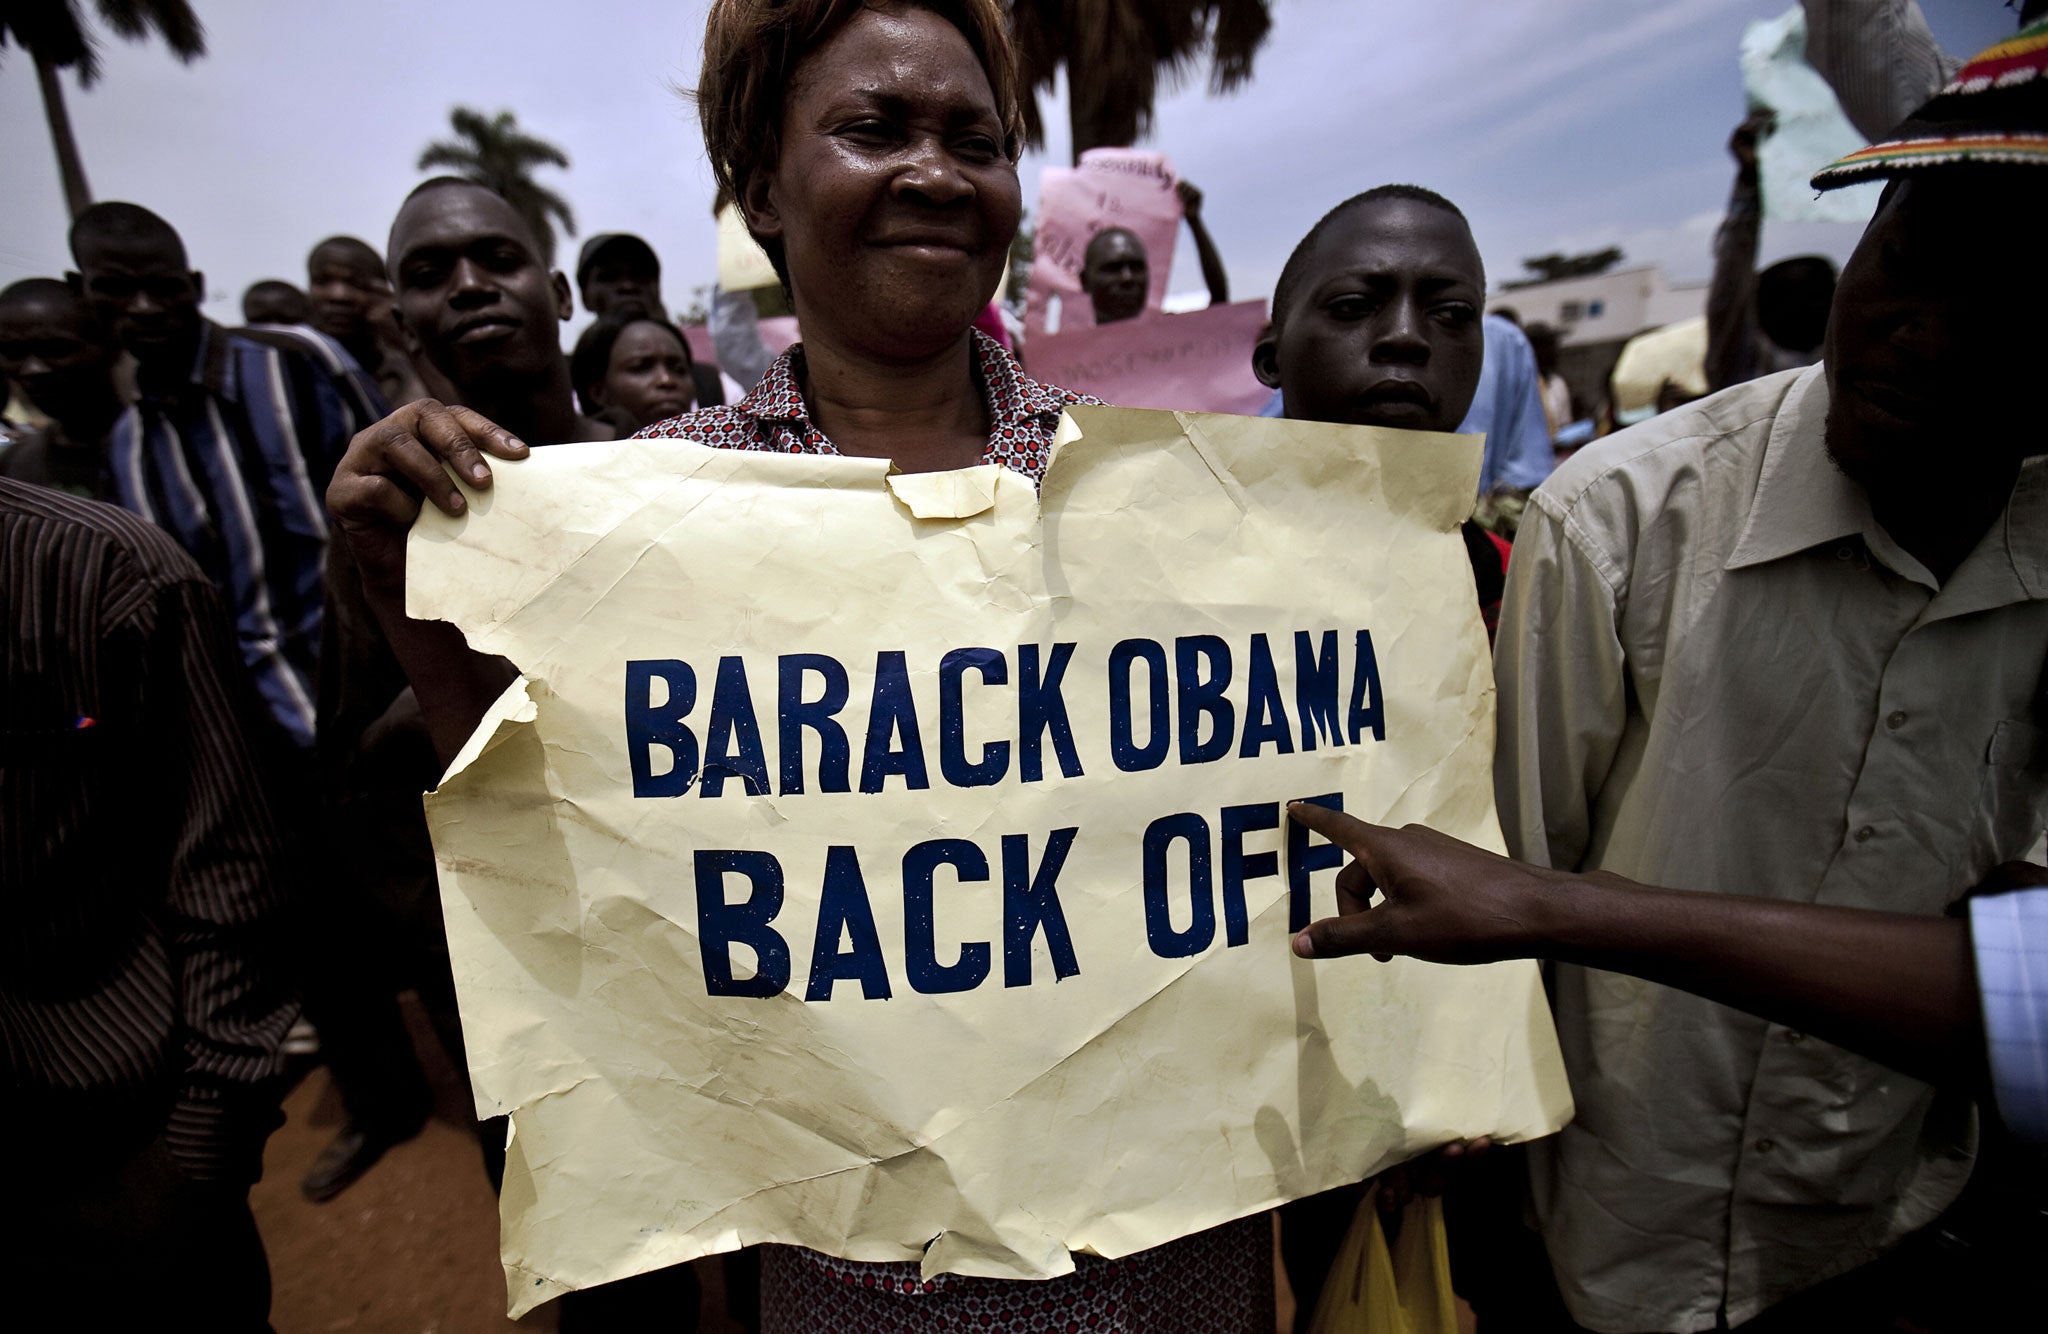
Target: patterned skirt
1215 1282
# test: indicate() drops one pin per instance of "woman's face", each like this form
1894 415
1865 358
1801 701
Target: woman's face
649 374
894 200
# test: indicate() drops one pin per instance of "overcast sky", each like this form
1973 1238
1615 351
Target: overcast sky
1555 124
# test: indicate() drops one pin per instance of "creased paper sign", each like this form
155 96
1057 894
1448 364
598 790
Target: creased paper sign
1200 361
896 865
1111 187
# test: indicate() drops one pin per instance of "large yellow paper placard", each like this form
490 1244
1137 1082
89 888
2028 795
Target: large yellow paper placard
896 865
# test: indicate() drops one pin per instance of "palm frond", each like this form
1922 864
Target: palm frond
53 33
458 158
538 203
522 147
1240 30
494 152
173 20
473 124
1118 54
1036 37
553 205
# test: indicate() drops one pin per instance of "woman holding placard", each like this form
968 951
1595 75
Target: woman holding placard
873 151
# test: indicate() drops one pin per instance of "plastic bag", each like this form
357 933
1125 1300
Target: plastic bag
1402 1289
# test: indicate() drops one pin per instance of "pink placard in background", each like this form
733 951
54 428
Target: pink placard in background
701 349
1197 362
1112 187
778 332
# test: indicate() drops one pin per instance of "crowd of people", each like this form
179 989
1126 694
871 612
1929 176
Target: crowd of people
1770 665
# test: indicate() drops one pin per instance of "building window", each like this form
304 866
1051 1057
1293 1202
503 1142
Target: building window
1594 309
1571 311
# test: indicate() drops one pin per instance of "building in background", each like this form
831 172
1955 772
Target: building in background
1597 313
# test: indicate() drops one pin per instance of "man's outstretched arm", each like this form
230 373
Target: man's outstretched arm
1898 988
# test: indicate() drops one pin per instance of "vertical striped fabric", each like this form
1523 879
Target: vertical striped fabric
138 856
1879 56
2009 933
235 467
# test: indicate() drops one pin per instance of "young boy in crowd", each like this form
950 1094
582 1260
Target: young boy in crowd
1376 322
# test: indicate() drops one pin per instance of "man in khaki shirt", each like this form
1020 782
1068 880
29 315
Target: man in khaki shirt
1788 641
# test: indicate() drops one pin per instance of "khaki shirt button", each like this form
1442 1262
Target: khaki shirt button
1766 1145
1896 719
1863 834
1795 1038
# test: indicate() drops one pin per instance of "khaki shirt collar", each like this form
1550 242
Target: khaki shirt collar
1803 500
2026 526
2010 563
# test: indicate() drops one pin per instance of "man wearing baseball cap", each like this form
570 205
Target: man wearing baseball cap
615 268
618 269
1789 640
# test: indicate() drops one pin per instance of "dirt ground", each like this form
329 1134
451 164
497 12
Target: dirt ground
412 1248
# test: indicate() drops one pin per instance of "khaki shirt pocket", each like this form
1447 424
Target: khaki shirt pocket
2016 788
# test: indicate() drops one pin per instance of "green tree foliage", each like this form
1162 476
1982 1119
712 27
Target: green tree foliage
56 36
1118 52
493 151
1550 268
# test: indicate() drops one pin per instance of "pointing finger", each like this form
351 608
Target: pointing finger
1340 937
1346 831
1366 842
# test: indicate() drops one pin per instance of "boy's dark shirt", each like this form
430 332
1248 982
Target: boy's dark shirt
48 457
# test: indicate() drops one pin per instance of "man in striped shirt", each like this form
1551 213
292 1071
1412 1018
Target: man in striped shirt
142 998
230 446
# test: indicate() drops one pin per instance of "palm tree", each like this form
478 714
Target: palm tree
495 152
56 36
1115 51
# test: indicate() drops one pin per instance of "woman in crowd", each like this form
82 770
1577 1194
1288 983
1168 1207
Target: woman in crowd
632 370
873 150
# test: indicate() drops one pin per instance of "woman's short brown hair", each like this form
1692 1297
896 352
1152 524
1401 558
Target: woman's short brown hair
751 52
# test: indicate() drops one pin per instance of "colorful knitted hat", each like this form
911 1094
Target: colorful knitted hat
1995 110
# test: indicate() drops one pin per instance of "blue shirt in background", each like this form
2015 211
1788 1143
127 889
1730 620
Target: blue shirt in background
2009 933
234 464
1508 409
